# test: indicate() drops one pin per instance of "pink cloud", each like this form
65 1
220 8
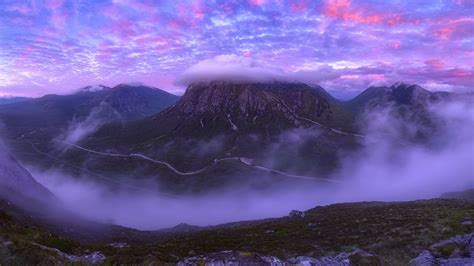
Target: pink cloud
137 5
344 10
53 4
21 8
435 63
299 6
395 45
198 10
444 33
395 20
120 28
459 73
176 24
447 29
227 8
257 2
191 13
58 19
377 77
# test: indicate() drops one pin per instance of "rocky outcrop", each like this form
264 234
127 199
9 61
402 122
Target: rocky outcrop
90 259
458 250
231 258
296 214
356 257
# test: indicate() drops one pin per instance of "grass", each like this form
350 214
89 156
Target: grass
395 232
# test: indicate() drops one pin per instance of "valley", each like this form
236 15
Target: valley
255 152
243 132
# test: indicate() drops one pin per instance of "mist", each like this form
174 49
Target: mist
79 129
387 168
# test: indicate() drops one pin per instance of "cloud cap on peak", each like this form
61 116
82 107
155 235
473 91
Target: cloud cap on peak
229 67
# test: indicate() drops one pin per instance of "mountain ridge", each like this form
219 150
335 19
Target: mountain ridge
221 119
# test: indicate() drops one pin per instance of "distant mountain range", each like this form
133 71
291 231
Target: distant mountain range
127 101
219 134
399 94
8 100
215 129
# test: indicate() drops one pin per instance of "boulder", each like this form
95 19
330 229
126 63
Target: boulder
296 214
458 250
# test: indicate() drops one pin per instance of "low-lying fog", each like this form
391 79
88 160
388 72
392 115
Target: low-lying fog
386 169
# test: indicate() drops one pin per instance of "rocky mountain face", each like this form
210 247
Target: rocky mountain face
209 109
296 123
301 126
256 106
248 104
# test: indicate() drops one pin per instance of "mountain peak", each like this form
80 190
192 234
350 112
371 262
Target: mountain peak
405 86
133 85
93 88
398 93
405 93
251 106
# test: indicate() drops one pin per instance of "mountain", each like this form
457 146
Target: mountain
213 124
222 133
93 88
410 104
51 115
265 109
17 184
399 94
8 100
134 102
127 101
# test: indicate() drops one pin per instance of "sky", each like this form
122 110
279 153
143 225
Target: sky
58 46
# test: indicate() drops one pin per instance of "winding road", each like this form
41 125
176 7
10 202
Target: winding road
245 161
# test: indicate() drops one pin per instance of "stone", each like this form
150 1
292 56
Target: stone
462 252
296 214
303 260
119 245
424 259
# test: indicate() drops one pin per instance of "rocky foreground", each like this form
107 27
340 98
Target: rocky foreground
426 232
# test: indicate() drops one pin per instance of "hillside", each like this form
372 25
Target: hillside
221 133
56 110
213 124
368 233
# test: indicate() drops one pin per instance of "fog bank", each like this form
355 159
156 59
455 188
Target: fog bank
387 168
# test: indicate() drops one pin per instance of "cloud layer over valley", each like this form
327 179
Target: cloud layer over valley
388 167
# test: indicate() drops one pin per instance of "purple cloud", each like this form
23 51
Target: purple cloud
60 45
